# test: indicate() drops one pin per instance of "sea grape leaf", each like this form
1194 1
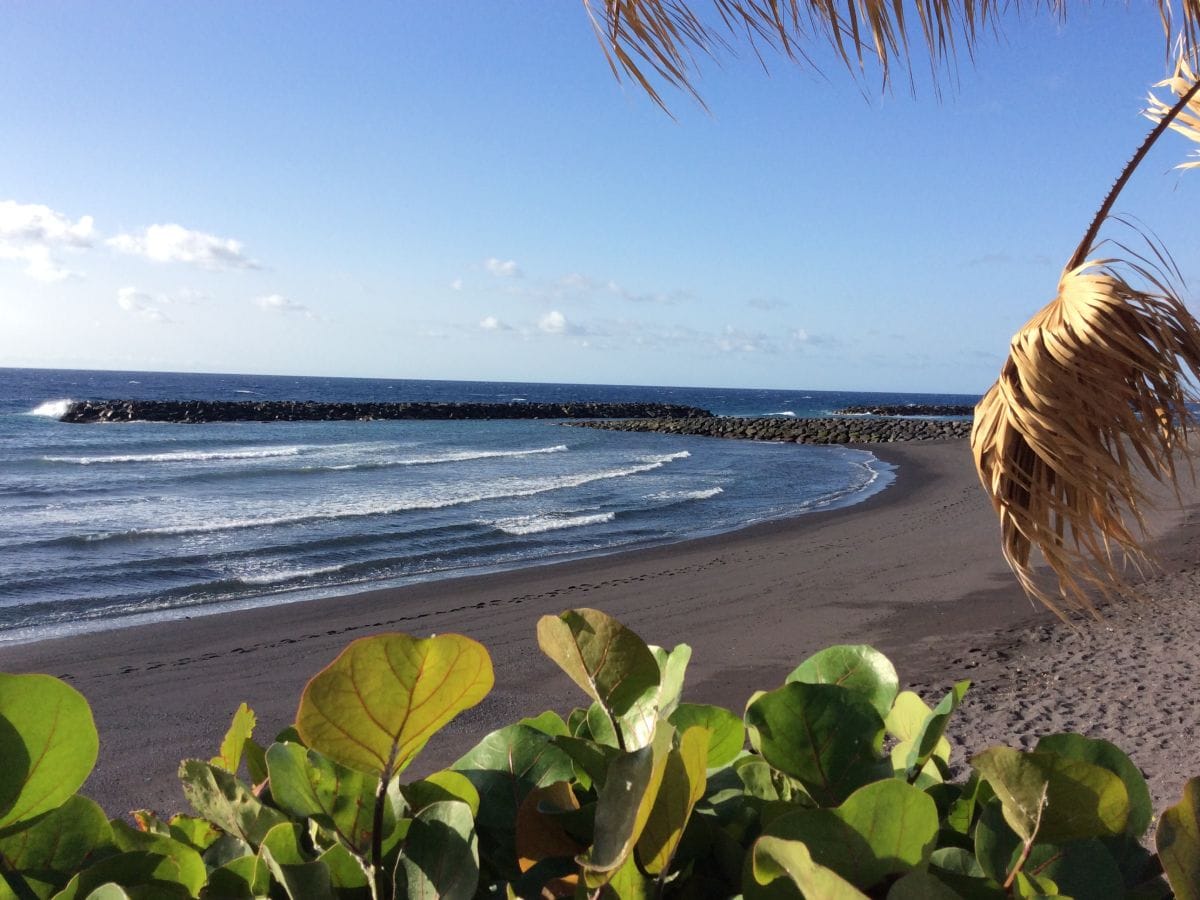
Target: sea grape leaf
549 722
1053 797
199 834
374 707
301 878
1078 868
109 892
627 883
440 786
307 784
727 733
219 797
244 878
827 737
856 667
192 873
931 733
625 804
240 731
441 854
48 742
57 844
683 783
158 875
884 828
920 885
924 778
772 858
610 663
346 871
1178 843
591 760
1107 756
996 845
600 727
540 834
672 667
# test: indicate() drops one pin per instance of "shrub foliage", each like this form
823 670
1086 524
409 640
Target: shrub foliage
836 784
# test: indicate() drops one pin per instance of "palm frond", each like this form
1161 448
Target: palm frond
1187 121
1094 384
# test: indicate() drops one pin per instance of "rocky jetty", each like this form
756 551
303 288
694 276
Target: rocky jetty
800 431
196 411
907 409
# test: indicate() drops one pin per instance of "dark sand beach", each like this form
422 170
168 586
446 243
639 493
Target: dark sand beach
915 570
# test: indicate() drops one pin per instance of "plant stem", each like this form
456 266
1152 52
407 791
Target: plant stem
1012 876
1089 237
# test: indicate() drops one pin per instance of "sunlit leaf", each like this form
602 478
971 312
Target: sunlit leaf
727 732
58 843
683 784
219 797
301 877
1178 843
191 870
773 858
240 731
441 854
856 667
1107 756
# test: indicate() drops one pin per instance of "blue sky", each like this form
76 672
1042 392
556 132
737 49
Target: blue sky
463 191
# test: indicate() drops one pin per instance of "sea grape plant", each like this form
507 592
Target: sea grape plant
835 784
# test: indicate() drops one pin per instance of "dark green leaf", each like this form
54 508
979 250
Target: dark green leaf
441 854
226 802
1107 756
858 668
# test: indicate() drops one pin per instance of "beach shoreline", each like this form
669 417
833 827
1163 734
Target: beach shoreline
914 569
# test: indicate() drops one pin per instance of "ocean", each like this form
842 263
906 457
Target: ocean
103 526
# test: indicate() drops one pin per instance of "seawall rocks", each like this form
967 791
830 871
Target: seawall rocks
196 411
831 430
907 409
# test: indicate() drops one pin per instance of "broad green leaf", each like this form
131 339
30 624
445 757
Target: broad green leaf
920 885
627 883
772 858
219 797
601 728
728 733
307 785
199 834
301 877
374 707
244 878
683 784
58 843
108 892
1107 756
541 836
240 731
827 737
610 663
441 786
996 845
549 722
882 829
672 667
931 734
192 874
907 715
1078 869
441 854
141 874
347 872
1178 843
1053 797
591 760
927 776
625 803
856 667
48 745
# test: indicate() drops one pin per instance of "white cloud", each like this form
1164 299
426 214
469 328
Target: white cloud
141 304
554 322
174 243
456 284
277 303
504 268
491 323
31 232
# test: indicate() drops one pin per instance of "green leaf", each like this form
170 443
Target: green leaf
441 854
244 878
856 667
591 759
920 885
882 829
1107 756
156 874
48 743
200 834
1178 843
308 785
439 787
1053 797
347 872
108 892
826 736
683 783
672 667
727 732
374 707
773 858
1078 869
192 873
300 877
996 845
549 722
58 843
625 803
610 663
931 734
240 731
219 797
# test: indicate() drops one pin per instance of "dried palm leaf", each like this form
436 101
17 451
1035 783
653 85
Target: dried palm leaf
1092 386
662 38
1187 122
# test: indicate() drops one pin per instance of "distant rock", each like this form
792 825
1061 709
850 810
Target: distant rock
828 430
907 409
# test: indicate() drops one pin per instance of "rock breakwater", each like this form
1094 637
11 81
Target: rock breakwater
907 409
801 431
197 411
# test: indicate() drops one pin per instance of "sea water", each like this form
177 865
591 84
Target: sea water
107 525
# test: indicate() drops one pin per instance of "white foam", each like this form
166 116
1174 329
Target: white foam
786 412
521 525
178 456
287 575
450 457
701 494
55 409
